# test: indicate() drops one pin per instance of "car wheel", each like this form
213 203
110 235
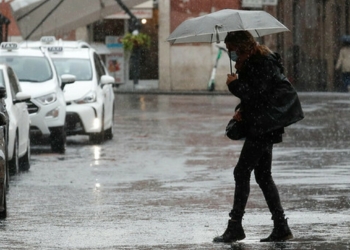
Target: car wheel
7 176
3 213
7 167
14 162
109 132
24 161
58 140
98 138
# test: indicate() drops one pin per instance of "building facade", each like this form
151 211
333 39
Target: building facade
309 51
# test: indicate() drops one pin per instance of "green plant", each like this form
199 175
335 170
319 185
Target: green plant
140 40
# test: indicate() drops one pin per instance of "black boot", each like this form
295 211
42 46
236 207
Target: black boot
280 232
234 232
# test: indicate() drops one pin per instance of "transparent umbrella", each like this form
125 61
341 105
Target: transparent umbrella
213 27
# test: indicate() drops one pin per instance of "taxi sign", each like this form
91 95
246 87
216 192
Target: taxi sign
47 39
9 46
55 49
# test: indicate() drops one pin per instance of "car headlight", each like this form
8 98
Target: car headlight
47 99
88 98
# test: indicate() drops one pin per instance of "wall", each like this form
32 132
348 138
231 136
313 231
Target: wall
189 66
311 49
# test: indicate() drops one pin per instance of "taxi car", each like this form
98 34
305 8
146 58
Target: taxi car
90 100
18 143
37 76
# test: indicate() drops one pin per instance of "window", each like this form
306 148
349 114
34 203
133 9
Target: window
29 68
15 88
81 68
99 67
2 80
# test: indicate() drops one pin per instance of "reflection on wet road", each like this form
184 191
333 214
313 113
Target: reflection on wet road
165 181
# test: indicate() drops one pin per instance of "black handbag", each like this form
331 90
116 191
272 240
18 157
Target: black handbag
236 130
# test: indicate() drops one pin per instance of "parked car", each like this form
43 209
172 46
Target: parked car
18 143
90 100
4 176
37 76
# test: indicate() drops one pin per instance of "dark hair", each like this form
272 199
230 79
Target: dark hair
245 41
242 39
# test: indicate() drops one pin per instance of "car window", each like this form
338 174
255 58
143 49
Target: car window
15 88
81 68
2 80
29 68
99 67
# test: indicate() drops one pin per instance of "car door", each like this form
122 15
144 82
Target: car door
20 111
107 90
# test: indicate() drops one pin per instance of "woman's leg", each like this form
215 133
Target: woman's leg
249 157
251 154
264 178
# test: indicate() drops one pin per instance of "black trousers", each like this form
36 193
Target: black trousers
255 155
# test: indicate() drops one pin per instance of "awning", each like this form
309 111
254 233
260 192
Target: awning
143 10
36 18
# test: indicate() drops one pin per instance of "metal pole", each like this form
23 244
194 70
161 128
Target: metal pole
134 26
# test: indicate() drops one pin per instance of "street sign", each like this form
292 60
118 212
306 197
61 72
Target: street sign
258 3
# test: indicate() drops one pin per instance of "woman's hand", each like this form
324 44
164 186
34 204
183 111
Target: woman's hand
231 78
237 116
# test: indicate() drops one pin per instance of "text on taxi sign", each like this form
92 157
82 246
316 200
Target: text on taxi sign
48 39
55 49
9 46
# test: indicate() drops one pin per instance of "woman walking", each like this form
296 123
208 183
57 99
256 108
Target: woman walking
268 104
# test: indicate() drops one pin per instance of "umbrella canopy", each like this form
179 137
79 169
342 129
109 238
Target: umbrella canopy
213 27
36 18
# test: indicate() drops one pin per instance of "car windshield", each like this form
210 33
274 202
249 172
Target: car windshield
81 68
29 68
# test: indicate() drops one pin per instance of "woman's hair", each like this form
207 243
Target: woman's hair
245 42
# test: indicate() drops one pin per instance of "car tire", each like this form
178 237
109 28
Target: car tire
24 161
14 162
7 166
58 140
3 213
109 132
98 138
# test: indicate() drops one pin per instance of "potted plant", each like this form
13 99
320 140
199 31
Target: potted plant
140 40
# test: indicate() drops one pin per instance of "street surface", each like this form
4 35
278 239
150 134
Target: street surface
165 181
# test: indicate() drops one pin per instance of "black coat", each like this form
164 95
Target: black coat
268 100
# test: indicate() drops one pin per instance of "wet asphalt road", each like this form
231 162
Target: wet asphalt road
165 181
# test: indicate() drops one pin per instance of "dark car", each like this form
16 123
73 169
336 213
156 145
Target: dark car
4 172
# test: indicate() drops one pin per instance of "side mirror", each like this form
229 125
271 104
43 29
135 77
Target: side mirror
3 92
106 79
67 79
21 97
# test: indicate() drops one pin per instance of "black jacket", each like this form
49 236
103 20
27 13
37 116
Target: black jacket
268 100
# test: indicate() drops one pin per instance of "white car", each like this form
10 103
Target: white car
37 76
18 143
90 100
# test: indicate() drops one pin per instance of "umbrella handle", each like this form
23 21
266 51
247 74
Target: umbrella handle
229 54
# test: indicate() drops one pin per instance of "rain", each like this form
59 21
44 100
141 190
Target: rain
165 179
